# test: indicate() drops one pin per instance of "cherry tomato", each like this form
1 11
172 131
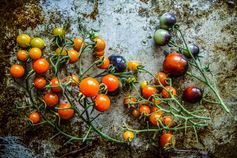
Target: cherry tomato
167 121
39 82
143 84
144 103
145 109
78 43
22 55
167 20
58 31
100 44
65 112
132 66
175 64
51 99
129 100
55 85
17 71
165 93
102 102
154 117
155 101
105 64
73 56
154 109
148 91
162 37
41 66
23 40
59 51
136 113
162 77
192 94
101 53
73 79
166 140
35 53
118 62
89 87
34 117
193 48
111 81
37 42
128 136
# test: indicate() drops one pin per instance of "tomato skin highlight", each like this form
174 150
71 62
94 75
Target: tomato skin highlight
162 77
55 85
41 66
51 99
100 44
17 71
35 53
65 114
128 136
22 55
111 81
34 117
148 91
23 40
192 94
166 139
89 87
102 102
39 82
165 94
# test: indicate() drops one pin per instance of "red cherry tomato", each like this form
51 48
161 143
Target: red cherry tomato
65 112
148 91
162 77
111 82
165 93
154 117
51 99
40 66
166 140
102 102
145 109
39 82
55 85
34 117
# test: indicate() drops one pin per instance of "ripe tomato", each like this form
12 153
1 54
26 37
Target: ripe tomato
166 140
192 94
102 102
165 93
89 87
34 117
148 91
162 77
105 64
23 40
175 64
78 43
55 85
37 42
144 109
154 117
51 99
35 53
17 71
143 84
73 56
58 31
39 82
155 101
167 121
136 113
40 66
129 100
73 79
128 136
65 112
22 55
154 109
111 82
101 53
132 66
59 51
100 44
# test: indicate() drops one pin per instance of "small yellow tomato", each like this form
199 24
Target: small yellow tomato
143 84
58 51
128 136
132 66
37 42
23 40
58 31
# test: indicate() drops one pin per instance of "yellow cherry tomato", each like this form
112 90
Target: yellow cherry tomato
37 42
58 51
143 84
132 66
128 136
23 40
58 31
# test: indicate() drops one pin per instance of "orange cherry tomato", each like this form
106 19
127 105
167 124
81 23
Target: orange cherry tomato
40 66
51 99
89 87
155 101
39 82
144 109
154 109
165 93
102 102
22 55
105 64
78 43
136 113
154 117
17 71
55 85
111 81
148 91
65 112
166 140
129 100
35 53
167 121
73 56
34 117
99 54
73 79
162 77
59 51
132 66
100 44
128 136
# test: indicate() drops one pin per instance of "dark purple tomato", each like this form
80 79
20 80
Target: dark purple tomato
192 94
193 48
167 20
119 62
162 37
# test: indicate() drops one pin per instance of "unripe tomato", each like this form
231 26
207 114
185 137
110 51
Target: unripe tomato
100 44
17 71
102 102
51 99
132 66
40 66
78 43
58 31
65 112
35 53
166 140
73 56
192 94
136 113
73 79
99 54
148 91
34 117
129 100
105 64
55 85
23 40
144 109
89 87
162 37
161 76
22 55
143 84
37 42
111 81
154 117
165 93
167 121
128 136
39 82
167 20
59 51
118 62
175 64
193 48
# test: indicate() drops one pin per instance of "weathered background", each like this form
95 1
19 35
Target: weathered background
127 26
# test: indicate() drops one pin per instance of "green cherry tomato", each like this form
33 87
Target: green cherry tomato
37 42
162 37
58 31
